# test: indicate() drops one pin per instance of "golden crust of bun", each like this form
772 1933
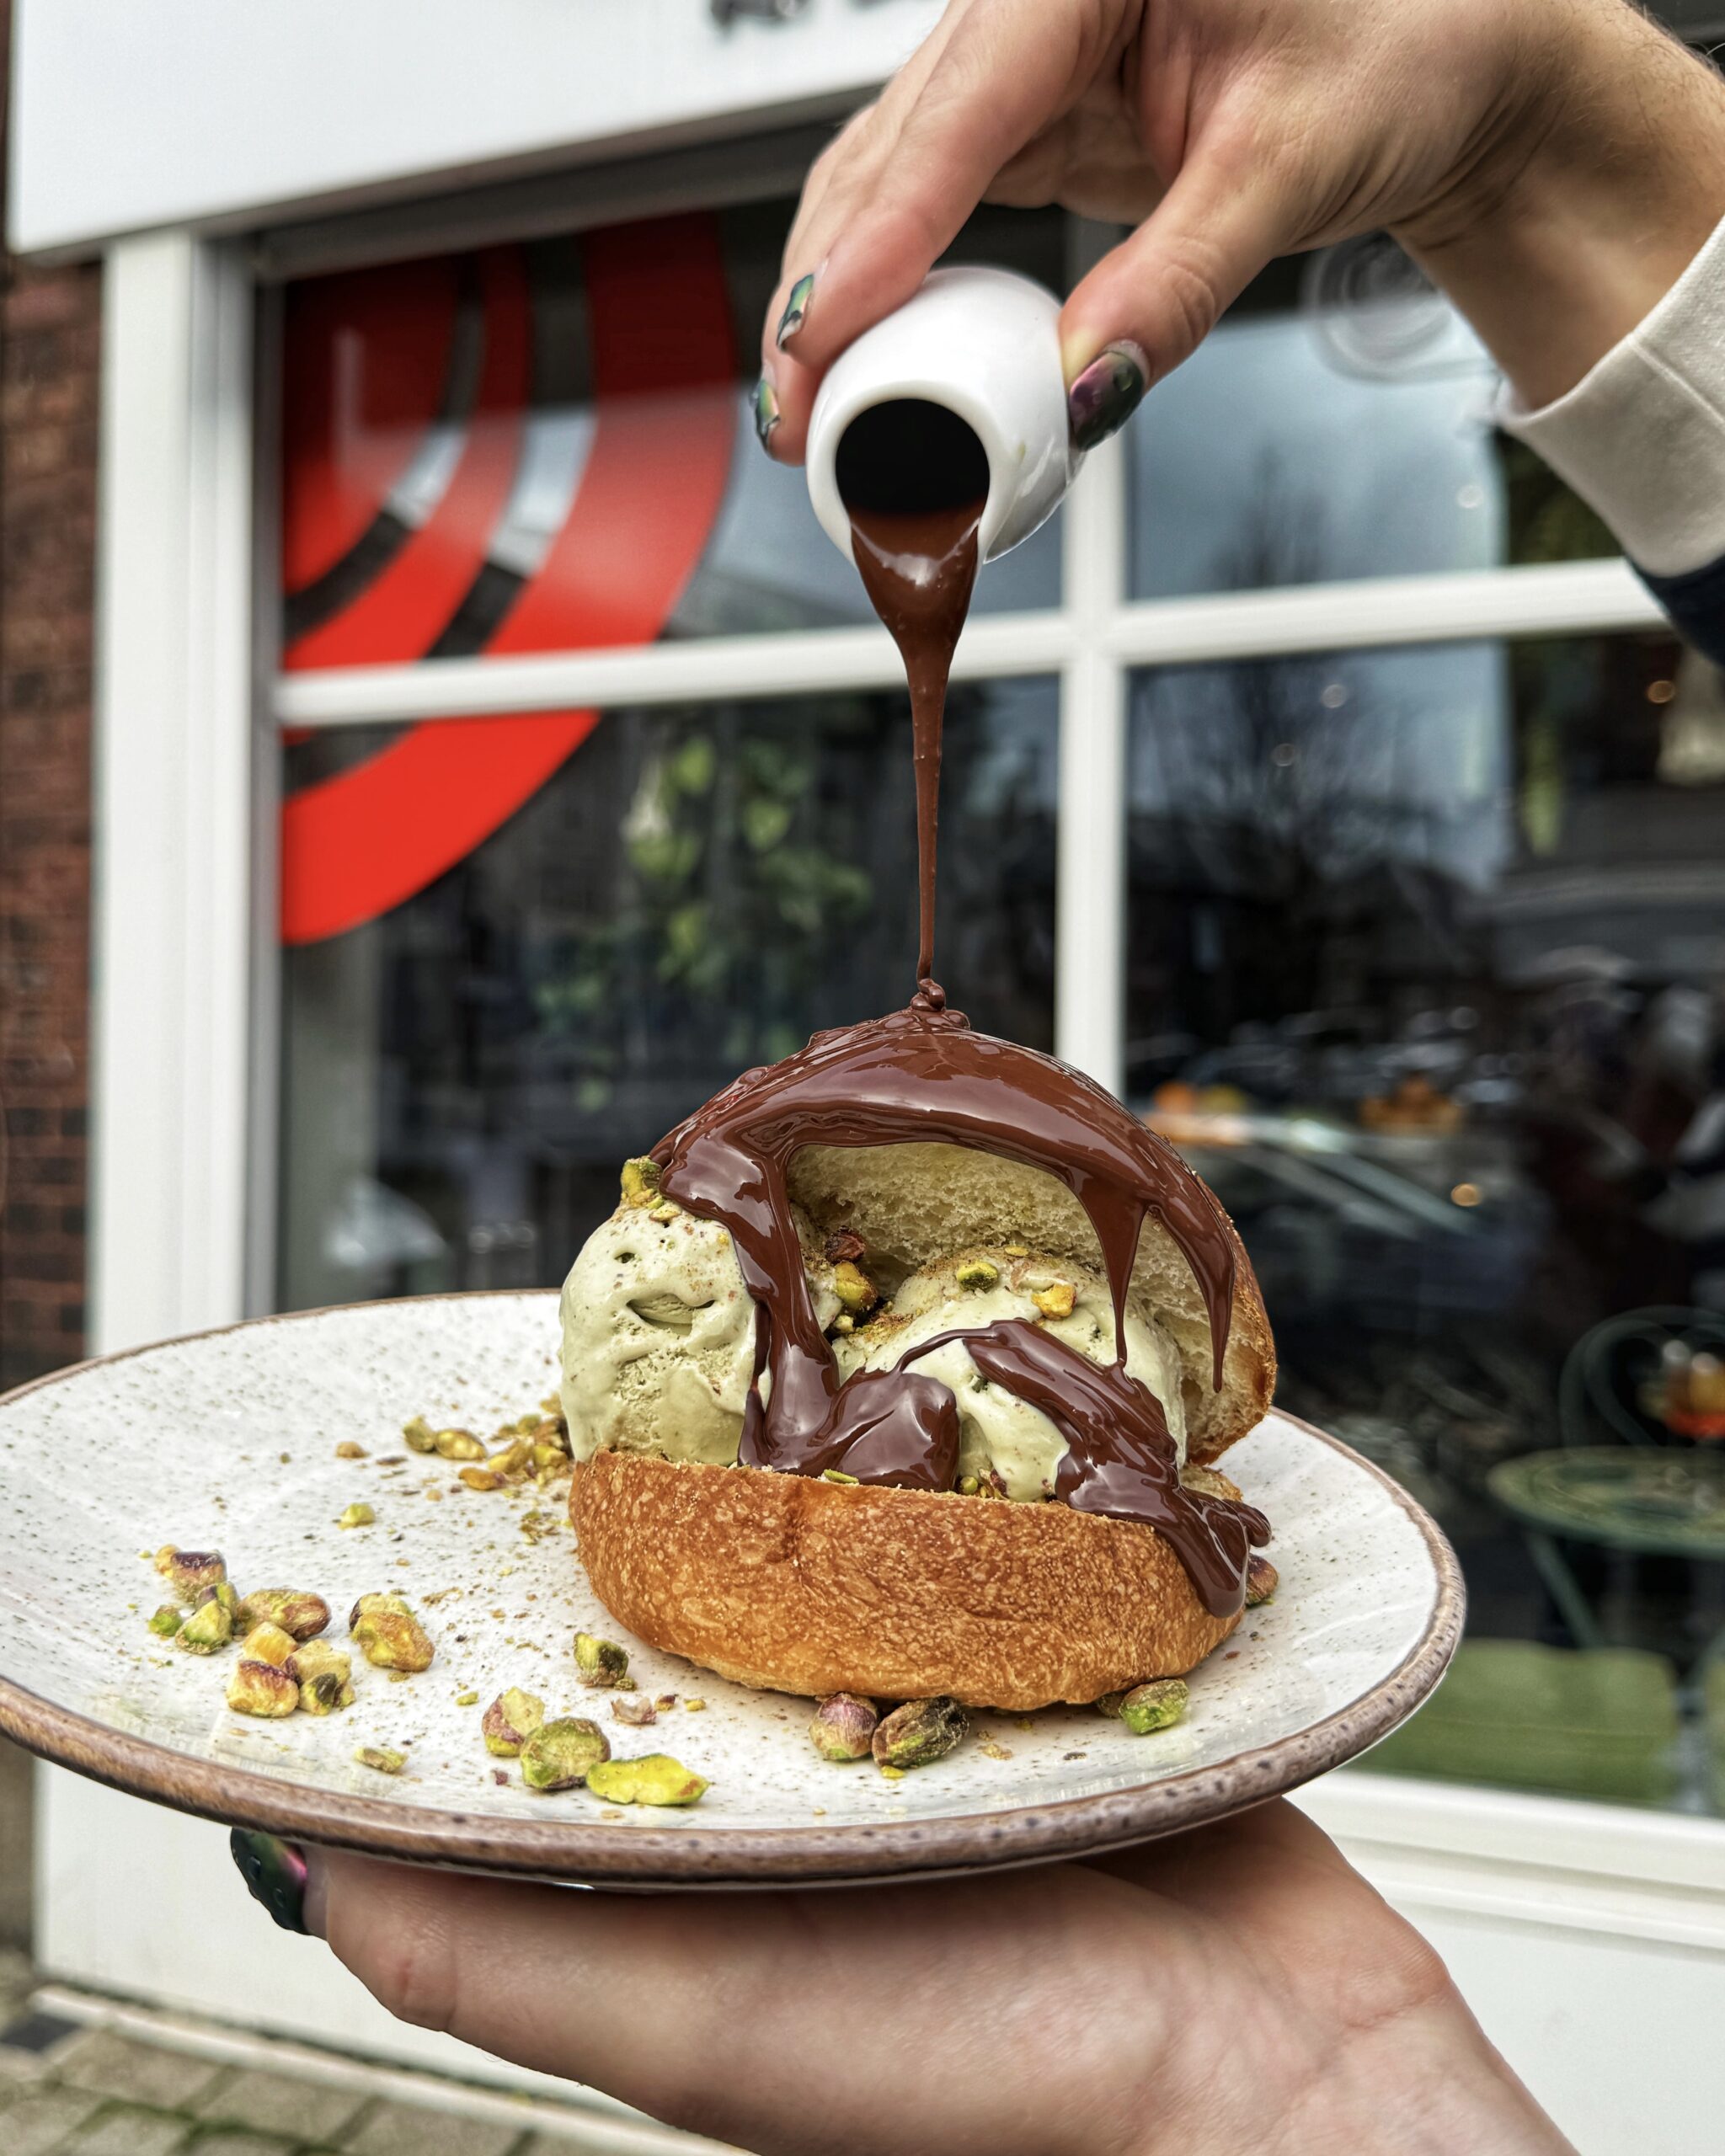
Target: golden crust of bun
793 1584
914 1204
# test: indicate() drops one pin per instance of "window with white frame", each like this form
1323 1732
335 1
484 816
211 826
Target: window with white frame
1319 778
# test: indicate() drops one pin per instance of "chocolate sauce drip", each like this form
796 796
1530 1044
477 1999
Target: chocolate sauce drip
922 1074
918 569
1119 1457
913 477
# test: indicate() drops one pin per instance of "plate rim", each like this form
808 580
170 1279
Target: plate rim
690 1858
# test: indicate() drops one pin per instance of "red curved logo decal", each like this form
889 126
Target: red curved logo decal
664 370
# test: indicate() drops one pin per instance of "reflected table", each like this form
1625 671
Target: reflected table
1648 1503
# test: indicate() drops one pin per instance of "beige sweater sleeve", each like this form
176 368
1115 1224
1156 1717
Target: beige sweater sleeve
1642 436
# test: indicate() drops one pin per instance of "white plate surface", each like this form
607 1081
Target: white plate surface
228 1441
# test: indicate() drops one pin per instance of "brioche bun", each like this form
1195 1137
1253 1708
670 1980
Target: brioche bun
791 1583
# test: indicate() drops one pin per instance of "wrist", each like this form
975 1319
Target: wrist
1559 254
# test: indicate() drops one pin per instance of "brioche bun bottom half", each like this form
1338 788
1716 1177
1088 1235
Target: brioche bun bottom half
793 1584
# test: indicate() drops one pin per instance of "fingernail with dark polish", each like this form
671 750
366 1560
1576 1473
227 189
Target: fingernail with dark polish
1108 392
766 411
796 312
274 1873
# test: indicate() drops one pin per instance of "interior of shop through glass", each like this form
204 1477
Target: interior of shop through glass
1424 935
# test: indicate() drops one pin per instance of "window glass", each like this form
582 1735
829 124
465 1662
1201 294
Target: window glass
1337 423
549 446
1428 974
694 890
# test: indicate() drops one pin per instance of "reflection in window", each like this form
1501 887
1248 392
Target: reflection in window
1427 974
474 447
697 891
1338 424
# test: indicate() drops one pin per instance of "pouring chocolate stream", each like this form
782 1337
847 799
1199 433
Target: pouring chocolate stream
922 1074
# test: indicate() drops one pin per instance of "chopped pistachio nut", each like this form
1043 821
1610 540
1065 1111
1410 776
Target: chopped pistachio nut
324 1675
640 1180
843 1727
509 1721
270 1643
513 1459
838 1475
1209 1481
186 1570
892 1774
458 1444
466 1699
303 1615
1261 1580
658 1778
546 1454
854 1289
223 1593
1156 1705
326 1694
919 1732
844 1322
665 1212
481 1478
349 1450
381 1759
206 1631
166 1621
256 1688
968 1486
693 1706
370 1605
393 1638
978 1273
635 1709
420 1435
665 1702
560 1754
357 1516
1057 1299
1015 1250
600 1664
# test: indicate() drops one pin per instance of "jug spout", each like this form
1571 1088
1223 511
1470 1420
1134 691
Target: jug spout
956 396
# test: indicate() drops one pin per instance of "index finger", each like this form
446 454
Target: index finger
1002 73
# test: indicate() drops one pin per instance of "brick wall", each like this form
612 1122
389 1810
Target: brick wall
50 328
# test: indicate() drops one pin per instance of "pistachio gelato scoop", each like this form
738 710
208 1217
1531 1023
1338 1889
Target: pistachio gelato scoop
658 1338
1003 1440
659 1334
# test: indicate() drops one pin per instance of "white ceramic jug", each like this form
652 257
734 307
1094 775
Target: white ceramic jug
983 343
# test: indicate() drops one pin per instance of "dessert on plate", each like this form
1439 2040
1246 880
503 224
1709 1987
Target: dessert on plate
901 1369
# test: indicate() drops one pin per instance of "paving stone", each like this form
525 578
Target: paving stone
223 2142
276 2103
404 2130
141 2074
118 2130
40 2120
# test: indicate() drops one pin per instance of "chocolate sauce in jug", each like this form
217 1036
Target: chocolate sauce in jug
913 480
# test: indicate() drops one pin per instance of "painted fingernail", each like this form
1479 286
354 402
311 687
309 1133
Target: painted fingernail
274 1873
1108 392
766 411
796 312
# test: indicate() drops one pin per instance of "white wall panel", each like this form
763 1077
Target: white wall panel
199 112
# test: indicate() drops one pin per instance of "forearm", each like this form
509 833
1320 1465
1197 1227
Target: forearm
1620 184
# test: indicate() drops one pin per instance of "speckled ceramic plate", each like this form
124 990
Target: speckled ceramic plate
228 1441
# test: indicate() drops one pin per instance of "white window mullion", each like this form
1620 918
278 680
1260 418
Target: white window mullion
1090 883
172 897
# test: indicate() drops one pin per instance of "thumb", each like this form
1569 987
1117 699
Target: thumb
1153 300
